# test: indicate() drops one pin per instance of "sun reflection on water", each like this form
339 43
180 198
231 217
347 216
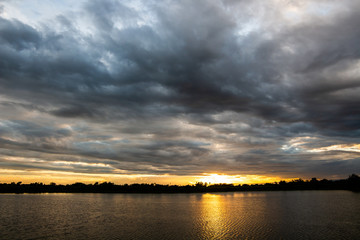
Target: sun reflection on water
212 214
233 215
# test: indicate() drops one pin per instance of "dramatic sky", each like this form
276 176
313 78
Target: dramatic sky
177 91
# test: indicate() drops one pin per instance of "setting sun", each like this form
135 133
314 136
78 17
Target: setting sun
216 178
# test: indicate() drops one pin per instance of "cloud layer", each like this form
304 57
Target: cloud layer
181 87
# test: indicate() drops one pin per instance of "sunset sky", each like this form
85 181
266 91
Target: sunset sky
179 91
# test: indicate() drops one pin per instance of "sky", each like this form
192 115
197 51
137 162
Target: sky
176 92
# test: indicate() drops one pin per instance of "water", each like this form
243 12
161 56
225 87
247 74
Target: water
259 215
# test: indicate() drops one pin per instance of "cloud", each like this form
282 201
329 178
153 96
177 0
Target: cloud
18 35
182 87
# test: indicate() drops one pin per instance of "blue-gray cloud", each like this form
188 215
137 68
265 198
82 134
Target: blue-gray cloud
185 87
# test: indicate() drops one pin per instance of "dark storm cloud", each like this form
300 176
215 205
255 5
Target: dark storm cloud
29 129
239 76
73 111
18 35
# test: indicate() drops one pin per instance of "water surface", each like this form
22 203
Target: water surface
259 215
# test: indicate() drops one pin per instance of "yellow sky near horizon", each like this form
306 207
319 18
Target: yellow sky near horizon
8 175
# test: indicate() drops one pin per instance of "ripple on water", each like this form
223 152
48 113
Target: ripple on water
266 215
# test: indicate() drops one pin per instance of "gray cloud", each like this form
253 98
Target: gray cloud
185 87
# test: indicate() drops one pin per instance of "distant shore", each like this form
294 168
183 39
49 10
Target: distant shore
352 183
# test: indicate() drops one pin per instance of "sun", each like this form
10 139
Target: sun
215 178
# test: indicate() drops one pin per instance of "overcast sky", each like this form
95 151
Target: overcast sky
177 89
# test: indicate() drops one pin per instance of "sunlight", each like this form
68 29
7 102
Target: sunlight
213 216
121 177
215 178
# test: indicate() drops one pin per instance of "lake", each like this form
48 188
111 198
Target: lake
239 215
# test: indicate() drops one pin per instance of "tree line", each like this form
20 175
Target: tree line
351 183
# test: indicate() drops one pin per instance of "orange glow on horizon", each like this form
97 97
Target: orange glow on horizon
10 175
215 178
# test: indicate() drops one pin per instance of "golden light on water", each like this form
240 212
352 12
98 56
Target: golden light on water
212 214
